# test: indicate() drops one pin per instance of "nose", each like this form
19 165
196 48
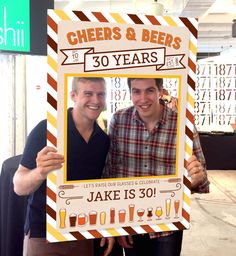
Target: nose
95 98
143 96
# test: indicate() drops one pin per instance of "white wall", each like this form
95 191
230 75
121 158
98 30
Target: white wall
36 89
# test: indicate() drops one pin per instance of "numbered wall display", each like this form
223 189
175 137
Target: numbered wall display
215 105
119 97
215 96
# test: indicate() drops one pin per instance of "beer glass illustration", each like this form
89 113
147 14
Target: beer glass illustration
92 218
149 213
168 201
140 213
112 215
102 218
82 219
158 212
72 219
122 216
62 218
176 206
131 212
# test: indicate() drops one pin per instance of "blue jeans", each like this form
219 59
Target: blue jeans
161 246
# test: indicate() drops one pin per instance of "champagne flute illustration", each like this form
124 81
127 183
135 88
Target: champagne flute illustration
140 213
159 212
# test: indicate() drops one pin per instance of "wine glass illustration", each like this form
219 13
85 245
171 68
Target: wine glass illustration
159 212
149 214
140 213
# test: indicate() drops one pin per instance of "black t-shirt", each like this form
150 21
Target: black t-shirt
85 161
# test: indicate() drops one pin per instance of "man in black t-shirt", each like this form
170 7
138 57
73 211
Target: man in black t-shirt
86 141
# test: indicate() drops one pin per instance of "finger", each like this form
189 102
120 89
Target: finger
46 150
102 242
130 239
52 164
110 242
194 170
191 159
123 242
50 157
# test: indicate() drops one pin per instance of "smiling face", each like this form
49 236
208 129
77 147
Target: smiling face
89 99
145 97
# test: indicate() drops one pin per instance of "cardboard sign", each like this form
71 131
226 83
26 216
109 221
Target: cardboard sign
117 46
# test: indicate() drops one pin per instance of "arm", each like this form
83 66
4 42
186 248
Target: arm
27 181
196 167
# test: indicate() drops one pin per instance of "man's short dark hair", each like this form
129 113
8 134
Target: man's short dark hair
158 81
76 80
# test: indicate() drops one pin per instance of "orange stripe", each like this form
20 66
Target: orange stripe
52 24
189 116
147 228
192 65
153 20
100 16
51 138
51 82
186 215
51 194
95 233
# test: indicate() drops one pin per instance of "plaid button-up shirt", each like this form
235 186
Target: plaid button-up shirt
135 151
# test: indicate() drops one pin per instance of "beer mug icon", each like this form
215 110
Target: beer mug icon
93 217
72 219
82 219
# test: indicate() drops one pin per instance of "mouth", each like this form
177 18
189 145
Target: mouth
144 107
93 107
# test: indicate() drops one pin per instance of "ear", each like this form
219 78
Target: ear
73 95
161 93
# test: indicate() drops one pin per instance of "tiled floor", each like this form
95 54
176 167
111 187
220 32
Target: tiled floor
213 218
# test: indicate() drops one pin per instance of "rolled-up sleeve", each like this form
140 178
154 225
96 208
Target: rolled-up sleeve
203 187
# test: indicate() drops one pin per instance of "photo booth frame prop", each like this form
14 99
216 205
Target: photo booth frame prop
77 42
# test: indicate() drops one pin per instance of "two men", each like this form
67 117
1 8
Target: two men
143 143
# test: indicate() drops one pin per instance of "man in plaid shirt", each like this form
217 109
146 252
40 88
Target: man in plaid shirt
143 143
